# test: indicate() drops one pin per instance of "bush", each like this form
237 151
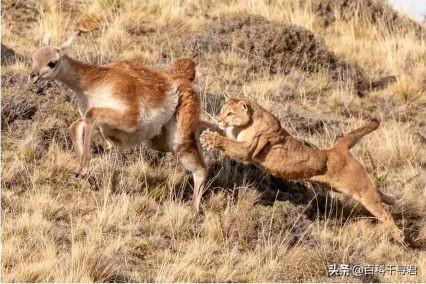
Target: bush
273 47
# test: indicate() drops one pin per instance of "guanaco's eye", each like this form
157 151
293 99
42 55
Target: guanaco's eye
52 63
229 114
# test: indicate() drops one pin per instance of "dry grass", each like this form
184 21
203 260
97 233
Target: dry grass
140 226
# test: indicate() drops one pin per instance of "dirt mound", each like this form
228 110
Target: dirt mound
303 120
43 132
20 16
377 12
216 36
36 114
274 47
17 106
281 48
8 55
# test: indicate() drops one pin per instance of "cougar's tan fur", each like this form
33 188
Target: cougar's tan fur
255 135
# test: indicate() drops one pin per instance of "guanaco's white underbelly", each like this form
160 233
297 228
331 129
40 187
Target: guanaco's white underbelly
151 120
126 140
103 97
100 97
149 123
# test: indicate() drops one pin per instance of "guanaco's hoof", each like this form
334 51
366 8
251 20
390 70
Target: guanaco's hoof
90 178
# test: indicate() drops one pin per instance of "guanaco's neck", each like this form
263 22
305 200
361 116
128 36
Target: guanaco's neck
73 73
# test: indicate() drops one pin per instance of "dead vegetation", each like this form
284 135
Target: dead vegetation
273 47
376 12
302 63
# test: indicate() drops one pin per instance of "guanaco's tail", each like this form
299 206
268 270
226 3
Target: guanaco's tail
183 68
350 139
187 111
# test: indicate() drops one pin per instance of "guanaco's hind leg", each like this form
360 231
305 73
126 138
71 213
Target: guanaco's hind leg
185 143
192 160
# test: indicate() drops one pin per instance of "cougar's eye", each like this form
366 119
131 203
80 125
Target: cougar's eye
52 63
229 114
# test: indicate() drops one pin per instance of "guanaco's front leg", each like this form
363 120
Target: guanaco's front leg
235 150
77 134
93 117
77 130
85 155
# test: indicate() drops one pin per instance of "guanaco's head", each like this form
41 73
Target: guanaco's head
47 61
235 112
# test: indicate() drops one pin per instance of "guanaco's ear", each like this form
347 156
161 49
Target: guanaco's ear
244 106
46 39
67 44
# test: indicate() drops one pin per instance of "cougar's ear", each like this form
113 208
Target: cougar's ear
45 40
244 106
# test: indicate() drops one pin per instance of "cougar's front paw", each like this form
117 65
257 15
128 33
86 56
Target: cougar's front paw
209 139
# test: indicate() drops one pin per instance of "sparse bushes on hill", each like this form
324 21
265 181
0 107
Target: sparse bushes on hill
377 12
17 106
140 225
274 47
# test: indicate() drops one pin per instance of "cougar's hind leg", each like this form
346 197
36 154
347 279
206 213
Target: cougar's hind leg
371 200
353 180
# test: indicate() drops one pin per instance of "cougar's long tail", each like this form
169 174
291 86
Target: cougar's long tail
350 139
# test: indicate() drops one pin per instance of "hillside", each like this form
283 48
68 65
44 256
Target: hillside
323 67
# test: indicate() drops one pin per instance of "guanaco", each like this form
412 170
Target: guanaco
131 104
